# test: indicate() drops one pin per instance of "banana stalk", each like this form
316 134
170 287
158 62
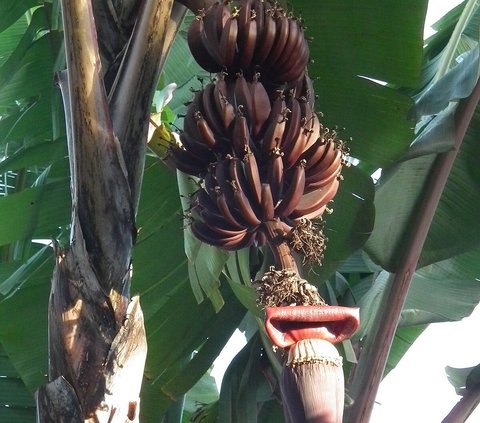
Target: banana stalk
313 390
312 381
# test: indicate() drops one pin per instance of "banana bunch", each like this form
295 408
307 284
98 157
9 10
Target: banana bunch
257 146
249 35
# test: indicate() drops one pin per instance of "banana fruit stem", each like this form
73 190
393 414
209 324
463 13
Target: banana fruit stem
279 246
196 5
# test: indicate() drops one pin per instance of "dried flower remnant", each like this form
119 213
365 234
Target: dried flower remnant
308 239
284 287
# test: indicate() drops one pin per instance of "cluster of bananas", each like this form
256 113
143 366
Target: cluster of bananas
251 35
261 153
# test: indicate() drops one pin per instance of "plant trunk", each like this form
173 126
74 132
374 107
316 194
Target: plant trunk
97 343
465 406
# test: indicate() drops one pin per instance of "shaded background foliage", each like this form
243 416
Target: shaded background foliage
187 328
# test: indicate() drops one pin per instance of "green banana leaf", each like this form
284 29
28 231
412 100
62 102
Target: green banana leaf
375 116
246 388
454 229
23 326
463 379
16 403
12 11
457 292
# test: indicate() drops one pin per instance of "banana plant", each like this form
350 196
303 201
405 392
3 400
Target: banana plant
348 46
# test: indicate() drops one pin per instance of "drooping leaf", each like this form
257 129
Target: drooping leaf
454 229
184 337
351 222
404 339
456 295
437 136
458 377
386 240
205 262
10 37
374 116
33 76
24 337
14 61
204 392
23 273
37 212
473 378
204 272
11 11
237 270
31 121
444 291
187 329
393 32
245 389
216 337
455 85
27 83
16 402
40 154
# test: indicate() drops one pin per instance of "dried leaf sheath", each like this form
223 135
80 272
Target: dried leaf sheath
132 92
103 215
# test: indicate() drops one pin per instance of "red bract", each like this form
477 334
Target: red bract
287 325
